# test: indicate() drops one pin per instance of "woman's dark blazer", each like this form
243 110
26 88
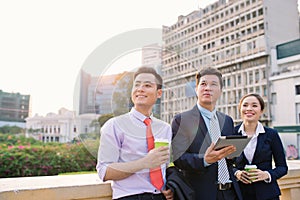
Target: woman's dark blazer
269 148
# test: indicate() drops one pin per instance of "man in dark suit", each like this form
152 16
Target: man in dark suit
208 170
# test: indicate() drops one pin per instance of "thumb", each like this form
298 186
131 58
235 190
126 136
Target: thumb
211 147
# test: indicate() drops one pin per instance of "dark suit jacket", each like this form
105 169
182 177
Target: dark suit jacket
180 187
189 143
268 147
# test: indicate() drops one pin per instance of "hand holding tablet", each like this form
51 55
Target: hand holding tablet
239 141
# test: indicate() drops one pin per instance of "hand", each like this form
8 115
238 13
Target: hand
243 176
168 194
156 157
252 176
212 156
258 175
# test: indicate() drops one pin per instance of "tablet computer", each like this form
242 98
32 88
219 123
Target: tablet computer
239 141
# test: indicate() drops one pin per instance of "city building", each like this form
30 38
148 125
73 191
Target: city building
285 94
237 37
62 127
14 108
105 94
86 93
152 57
95 93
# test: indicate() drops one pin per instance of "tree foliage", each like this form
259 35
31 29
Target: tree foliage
11 129
103 118
122 94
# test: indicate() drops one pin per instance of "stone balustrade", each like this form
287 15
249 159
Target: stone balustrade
90 187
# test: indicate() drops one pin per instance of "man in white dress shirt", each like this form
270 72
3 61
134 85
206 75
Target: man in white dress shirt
123 155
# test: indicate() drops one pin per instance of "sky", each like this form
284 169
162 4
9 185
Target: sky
44 44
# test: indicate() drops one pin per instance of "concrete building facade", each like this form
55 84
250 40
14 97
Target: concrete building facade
285 95
152 57
236 37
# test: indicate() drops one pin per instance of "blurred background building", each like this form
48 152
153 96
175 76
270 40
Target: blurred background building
14 108
256 46
235 36
62 127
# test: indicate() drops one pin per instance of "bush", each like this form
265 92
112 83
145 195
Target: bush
23 159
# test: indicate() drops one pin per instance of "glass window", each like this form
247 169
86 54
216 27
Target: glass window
297 87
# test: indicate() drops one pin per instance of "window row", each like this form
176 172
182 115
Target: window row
204 13
220 28
50 129
244 78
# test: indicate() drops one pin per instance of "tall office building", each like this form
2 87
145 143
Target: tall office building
96 93
14 108
151 57
106 94
236 37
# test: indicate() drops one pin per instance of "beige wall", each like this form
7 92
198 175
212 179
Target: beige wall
89 187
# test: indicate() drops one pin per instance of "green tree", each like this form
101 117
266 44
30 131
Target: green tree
122 94
103 118
11 129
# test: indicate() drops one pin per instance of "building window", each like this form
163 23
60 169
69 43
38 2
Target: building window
260 12
265 91
257 90
297 87
250 78
74 129
228 82
239 79
274 98
256 76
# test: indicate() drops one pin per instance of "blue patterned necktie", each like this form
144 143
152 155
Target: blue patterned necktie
215 133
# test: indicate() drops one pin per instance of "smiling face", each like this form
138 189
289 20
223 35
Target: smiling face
208 91
250 109
144 93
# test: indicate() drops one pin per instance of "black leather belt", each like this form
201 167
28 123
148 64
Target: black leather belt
226 186
144 196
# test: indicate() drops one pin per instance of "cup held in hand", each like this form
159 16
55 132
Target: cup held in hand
250 169
160 143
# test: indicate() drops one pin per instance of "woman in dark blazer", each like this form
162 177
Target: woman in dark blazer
264 148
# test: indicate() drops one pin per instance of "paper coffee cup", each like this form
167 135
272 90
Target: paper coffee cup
160 143
249 168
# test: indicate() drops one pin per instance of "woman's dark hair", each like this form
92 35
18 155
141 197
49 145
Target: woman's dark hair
257 96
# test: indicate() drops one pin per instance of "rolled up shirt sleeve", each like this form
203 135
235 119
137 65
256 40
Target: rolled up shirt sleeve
108 149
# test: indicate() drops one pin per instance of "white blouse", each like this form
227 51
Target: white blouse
250 148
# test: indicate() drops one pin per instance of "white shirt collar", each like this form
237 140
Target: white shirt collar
259 129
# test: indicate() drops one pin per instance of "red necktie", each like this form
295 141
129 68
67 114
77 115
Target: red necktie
155 173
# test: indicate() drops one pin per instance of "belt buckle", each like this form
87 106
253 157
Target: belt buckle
225 186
